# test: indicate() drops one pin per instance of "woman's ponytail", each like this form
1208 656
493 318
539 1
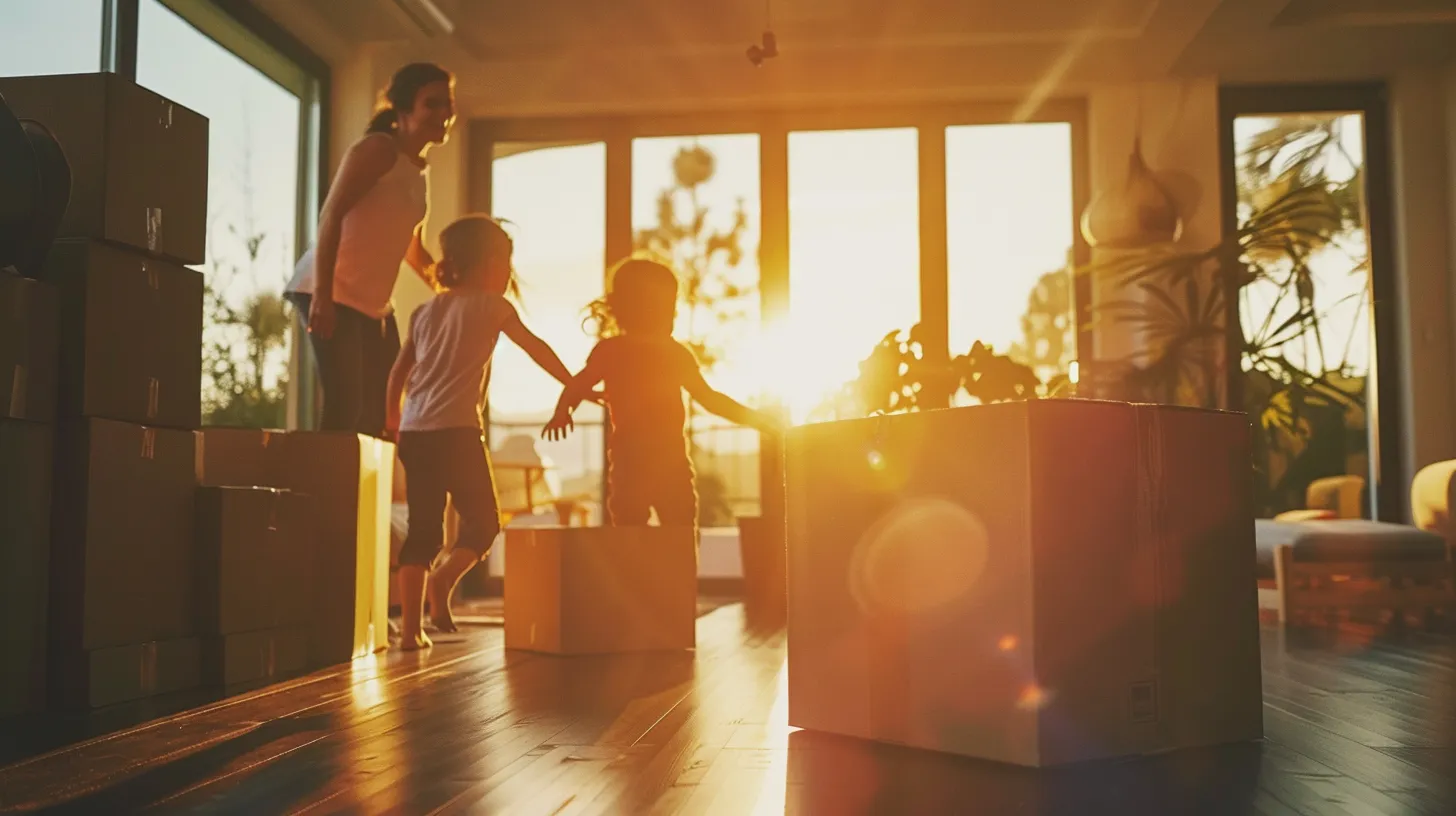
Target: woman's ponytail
385 120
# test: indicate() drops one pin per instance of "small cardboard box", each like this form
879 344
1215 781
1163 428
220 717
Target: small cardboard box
138 161
250 657
598 590
118 674
764 558
238 457
348 479
131 336
123 569
1006 581
25 543
241 563
28 349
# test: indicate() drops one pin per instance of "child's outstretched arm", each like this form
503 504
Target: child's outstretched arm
716 402
536 349
576 391
394 391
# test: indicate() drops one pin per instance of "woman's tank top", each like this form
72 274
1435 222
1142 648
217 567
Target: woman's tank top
375 237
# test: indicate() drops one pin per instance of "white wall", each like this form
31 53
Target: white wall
1178 123
1423 125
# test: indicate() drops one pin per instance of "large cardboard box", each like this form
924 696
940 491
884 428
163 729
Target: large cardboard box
597 590
131 336
242 563
249 657
123 570
28 349
25 523
102 677
138 161
1009 581
348 479
238 457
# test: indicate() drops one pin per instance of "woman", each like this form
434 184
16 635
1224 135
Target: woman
371 221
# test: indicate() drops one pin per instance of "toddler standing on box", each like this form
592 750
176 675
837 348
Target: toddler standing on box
646 372
439 374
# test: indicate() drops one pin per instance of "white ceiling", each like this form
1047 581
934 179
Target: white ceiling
523 57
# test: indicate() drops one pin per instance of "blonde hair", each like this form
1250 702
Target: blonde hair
466 245
641 297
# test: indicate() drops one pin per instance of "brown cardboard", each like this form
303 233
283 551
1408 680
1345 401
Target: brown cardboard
1198 507
122 553
292 567
131 336
992 582
239 558
762 550
28 349
25 507
138 161
103 677
348 478
597 590
237 457
249 657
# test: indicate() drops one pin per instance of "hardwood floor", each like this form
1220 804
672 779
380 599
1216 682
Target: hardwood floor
1352 728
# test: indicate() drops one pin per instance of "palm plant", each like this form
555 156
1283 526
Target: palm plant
1296 207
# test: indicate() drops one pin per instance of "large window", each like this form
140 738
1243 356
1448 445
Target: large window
553 197
1009 237
854 254
695 204
1309 347
50 37
252 212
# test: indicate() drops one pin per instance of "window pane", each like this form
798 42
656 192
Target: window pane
1009 236
252 213
854 254
554 198
1308 380
674 179
50 37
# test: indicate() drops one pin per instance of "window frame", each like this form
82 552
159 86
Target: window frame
773 126
240 28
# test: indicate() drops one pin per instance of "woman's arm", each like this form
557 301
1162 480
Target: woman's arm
394 392
419 258
365 163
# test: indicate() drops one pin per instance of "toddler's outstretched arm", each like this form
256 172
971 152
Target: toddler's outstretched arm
394 391
716 402
536 349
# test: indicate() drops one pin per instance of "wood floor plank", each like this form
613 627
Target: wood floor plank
1353 726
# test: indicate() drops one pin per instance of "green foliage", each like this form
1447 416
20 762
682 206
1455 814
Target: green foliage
714 296
239 341
1300 195
899 375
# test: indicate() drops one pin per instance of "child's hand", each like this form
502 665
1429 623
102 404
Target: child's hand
768 423
598 397
559 426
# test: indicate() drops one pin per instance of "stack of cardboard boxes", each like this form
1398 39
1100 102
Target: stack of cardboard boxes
332 509
122 606
119 578
27 414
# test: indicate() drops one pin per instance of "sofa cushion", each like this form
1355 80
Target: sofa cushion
1344 540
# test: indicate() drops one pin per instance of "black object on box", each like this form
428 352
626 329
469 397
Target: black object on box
247 657
119 674
28 349
138 161
131 336
122 557
25 523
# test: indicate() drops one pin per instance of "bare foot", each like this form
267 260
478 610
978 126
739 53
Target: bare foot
419 641
440 616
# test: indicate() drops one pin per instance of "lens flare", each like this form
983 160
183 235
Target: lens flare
923 554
